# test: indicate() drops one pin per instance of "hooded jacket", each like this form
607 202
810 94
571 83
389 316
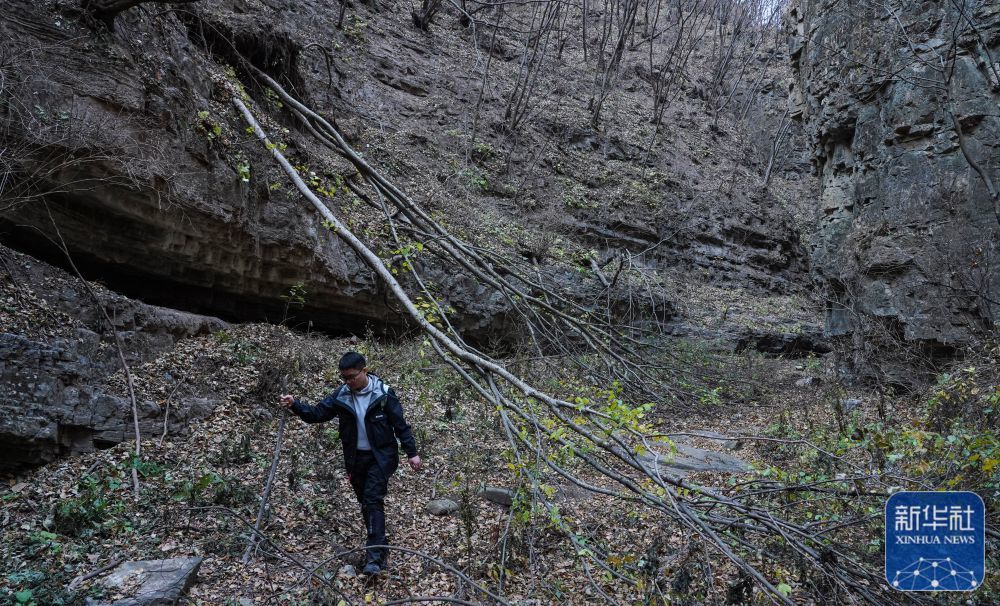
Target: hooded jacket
384 423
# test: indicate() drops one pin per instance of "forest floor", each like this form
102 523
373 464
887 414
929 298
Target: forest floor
199 494
794 424
200 490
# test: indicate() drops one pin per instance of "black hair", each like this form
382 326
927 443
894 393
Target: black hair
352 359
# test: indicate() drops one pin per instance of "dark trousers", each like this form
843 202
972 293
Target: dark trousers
370 485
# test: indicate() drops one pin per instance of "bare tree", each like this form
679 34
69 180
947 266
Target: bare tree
685 28
422 18
742 29
617 23
544 21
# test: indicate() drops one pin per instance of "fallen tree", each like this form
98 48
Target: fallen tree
609 440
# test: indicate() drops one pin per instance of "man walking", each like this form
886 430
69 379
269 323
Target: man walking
371 421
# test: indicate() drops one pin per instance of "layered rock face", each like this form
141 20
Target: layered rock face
901 102
121 147
123 141
127 138
57 393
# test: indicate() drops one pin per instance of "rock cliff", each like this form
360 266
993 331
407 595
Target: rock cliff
125 142
900 100
121 142
58 391
122 147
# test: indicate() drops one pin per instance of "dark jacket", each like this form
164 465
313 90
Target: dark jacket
384 424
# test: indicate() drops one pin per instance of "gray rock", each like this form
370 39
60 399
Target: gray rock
904 219
204 247
52 402
441 507
808 382
53 390
347 571
688 459
151 582
804 343
720 439
500 496
705 434
850 404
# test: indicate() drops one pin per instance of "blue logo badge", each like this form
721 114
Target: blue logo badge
935 541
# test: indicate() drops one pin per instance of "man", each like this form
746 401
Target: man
371 420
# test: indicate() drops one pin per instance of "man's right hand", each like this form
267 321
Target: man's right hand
287 401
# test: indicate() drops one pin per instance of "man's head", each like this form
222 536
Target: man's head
353 372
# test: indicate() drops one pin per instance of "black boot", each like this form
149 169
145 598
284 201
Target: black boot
376 536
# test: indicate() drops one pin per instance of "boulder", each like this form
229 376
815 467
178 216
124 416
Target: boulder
347 571
849 404
688 458
500 496
808 382
441 507
151 582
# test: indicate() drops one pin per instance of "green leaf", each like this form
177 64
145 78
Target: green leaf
23 596
785 589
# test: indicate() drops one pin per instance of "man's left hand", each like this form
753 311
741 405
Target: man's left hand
415 462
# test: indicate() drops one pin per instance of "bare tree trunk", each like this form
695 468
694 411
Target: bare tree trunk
248 554
608 68
422 18
482 88
130 383
534 52
776 145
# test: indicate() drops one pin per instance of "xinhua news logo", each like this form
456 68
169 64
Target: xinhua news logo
935 541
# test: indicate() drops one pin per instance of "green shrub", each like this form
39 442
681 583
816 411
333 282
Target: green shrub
87 511
230 492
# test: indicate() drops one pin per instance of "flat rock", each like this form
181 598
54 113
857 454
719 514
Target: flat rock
706 434
441 507
715 437
850 404
151 582
688 459
500 496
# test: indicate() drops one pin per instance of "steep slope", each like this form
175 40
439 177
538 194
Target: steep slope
155 188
